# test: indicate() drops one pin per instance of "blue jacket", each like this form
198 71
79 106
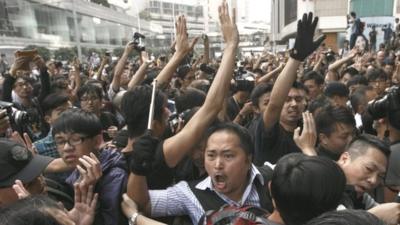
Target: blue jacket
110 187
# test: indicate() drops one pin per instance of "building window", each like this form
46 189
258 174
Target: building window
290 11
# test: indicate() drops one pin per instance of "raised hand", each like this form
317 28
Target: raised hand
20 190
308 138
84 205
228 25
182 44
304 44
90 171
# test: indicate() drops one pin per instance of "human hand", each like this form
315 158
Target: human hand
129 47
20 190
84 205
144 56
228 25
247 109
129 207
39 62
308 138
388 212
4 121
92 172
304 44
143 154
182 45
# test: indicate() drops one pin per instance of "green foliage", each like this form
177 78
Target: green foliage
65 54
42 51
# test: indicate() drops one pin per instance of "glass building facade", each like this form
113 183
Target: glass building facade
52 24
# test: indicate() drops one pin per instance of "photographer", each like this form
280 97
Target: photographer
18 89
387 109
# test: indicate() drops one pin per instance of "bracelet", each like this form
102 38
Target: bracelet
133 219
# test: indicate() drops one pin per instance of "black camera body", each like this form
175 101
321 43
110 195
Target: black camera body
138 41
244 80
16 117
387 106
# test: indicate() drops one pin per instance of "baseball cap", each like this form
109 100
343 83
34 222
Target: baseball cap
17 162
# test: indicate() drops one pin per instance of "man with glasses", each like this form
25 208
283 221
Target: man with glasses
78 136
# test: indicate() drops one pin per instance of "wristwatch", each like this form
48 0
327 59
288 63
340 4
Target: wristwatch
133 219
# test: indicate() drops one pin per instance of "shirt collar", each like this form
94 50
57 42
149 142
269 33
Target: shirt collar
254 174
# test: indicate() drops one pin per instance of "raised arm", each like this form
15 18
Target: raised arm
206 57
337 64
119 69
182 47
269 76
303 47
141 72
176 147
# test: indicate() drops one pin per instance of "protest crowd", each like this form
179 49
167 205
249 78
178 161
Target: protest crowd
307 136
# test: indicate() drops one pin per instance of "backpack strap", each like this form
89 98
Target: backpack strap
263 193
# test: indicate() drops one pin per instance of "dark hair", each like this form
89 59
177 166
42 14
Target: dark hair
135 106
357 79
90 89
346 217
361 143
315 105
336 89
258 91
188 99
78 121
300 86
376 74
353 14
359 96
313 75
29 211
329 116
53 101
350 70
58 84
301 190
244 136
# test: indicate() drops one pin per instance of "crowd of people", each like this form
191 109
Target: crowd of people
308 136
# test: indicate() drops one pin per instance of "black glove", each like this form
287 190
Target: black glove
143 153
304 44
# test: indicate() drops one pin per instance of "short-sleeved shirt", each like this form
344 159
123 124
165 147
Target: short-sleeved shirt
272 143
393 171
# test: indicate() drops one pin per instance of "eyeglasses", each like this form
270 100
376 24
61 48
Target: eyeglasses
92 98
72 141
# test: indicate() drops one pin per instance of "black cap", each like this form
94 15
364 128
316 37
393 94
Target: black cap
17 162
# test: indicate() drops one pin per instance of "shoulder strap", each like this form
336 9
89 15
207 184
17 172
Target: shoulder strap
208 199
263 193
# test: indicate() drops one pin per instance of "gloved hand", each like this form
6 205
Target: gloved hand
144 150
304 44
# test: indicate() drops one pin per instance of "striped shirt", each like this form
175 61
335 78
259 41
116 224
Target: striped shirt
179 199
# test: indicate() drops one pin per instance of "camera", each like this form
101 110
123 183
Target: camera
388 105
17 118
138 41
244 80
173 120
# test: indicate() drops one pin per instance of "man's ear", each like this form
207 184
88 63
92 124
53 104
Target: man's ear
98 140
344 158
322 138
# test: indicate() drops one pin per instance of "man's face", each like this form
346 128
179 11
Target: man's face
365 172
379 86
23 88
226 163
388 69
125 77
55 113
91 103
361 43
294 106
338 139
263 102
346 77
314 90
380 56
72 146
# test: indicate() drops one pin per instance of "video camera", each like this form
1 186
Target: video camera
244 80
138 41
387 106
